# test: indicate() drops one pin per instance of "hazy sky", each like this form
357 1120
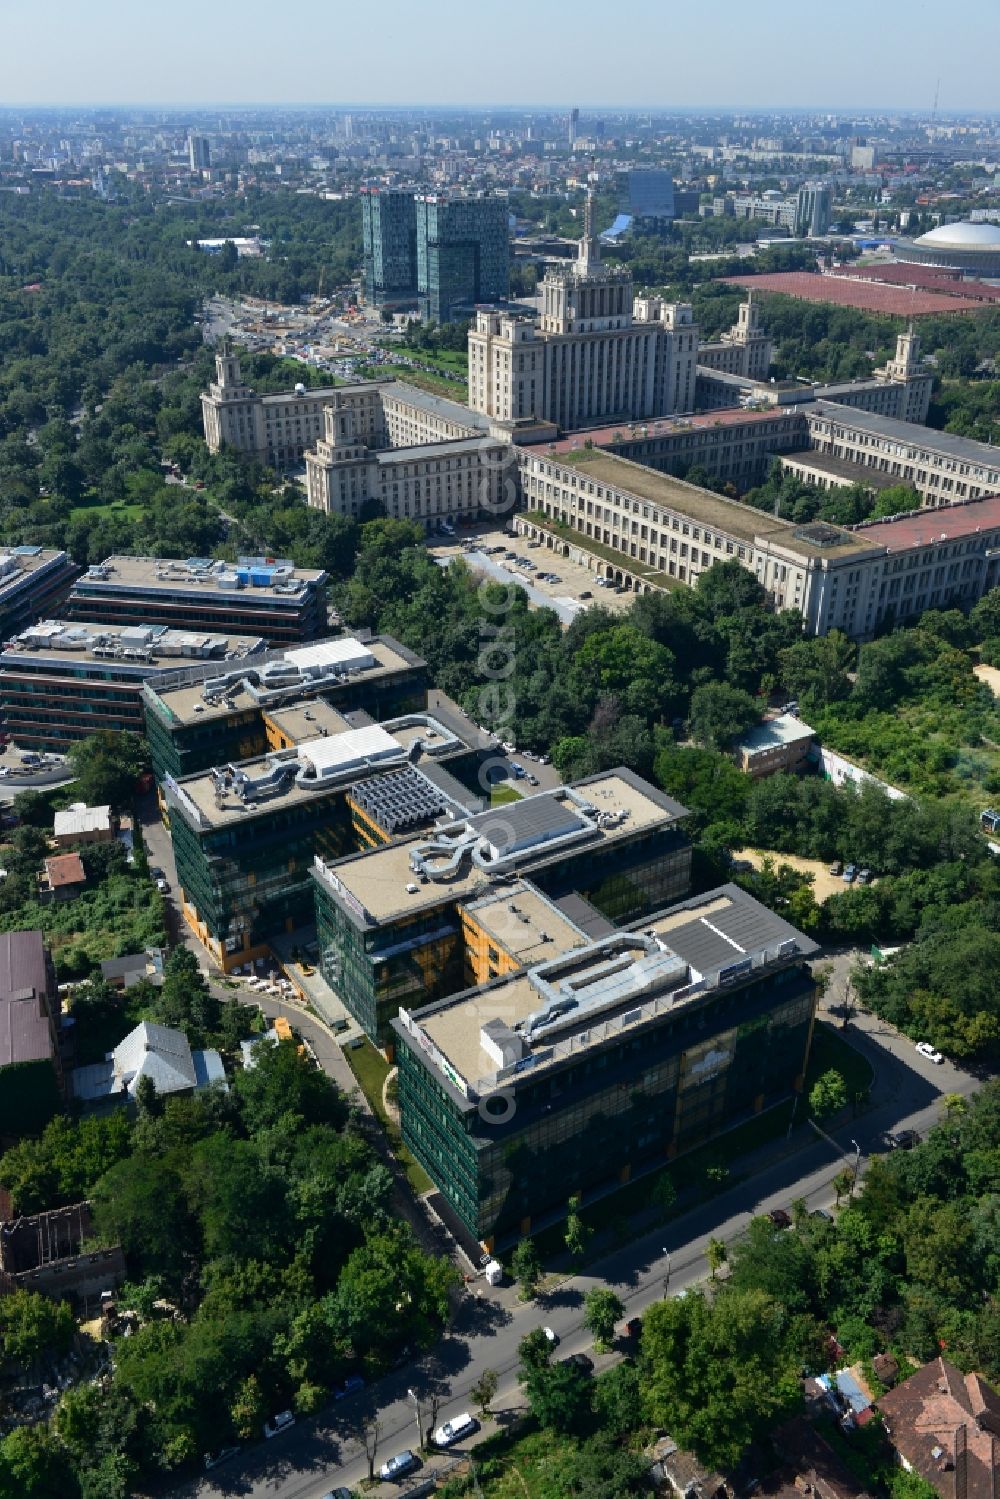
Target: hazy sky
855 53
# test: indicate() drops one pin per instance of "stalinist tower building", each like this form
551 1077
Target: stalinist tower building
593 354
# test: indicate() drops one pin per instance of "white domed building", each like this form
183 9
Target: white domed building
973 249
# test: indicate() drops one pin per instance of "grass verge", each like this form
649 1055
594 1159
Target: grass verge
831 1051
371 1070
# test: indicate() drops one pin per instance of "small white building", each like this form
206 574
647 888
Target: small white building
782 743
82 824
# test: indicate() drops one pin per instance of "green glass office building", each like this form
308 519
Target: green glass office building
570 1077
463 254
390 923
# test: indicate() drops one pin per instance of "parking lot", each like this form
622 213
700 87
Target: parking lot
575 587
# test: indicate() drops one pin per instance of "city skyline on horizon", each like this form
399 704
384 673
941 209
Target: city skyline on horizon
233 57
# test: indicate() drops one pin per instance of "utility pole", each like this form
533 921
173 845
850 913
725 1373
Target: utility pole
666 1277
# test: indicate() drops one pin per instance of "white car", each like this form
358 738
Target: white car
454 1430
926 1050
277 1423
551 1337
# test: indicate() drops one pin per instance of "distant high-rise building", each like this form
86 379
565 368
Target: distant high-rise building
199 153
348 127
814 208
574 125
599 129
650 195
389 224
463 253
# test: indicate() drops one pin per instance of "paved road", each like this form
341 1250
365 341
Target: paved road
547 776
305 1462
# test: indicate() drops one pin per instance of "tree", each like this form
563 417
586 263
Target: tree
526 1267
249 1409
618 1400
717 1255
371 1433
484 1391
718 1374
720 714
578 1234
34 1465
559 1396
664 1195
33 1327
601 1310
533 1352
816 669
139 1204
106 766
828 1094
843 1183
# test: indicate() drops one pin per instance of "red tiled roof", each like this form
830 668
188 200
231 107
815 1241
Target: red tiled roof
928 278
933 523
63 870
847 291
945 1425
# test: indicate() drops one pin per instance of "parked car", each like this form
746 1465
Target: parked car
398 1466
850 873
532 780
338 1494
780 1218
822 1213
213 1459
454 1430
864 876
836 868
352 1383
280 1422
579 1361
520 774
633 1329
904 1139
927 1050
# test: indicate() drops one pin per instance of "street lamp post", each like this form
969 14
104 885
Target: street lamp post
666 1277
416 1409
857 1167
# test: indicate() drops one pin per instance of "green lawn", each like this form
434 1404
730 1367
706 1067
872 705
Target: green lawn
371 1070
529 1466
120 510
449 361
502 793
830 1050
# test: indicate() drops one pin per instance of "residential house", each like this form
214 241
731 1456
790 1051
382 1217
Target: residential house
82 824
63 879
154 1051
678 1472
945 1425
132 967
